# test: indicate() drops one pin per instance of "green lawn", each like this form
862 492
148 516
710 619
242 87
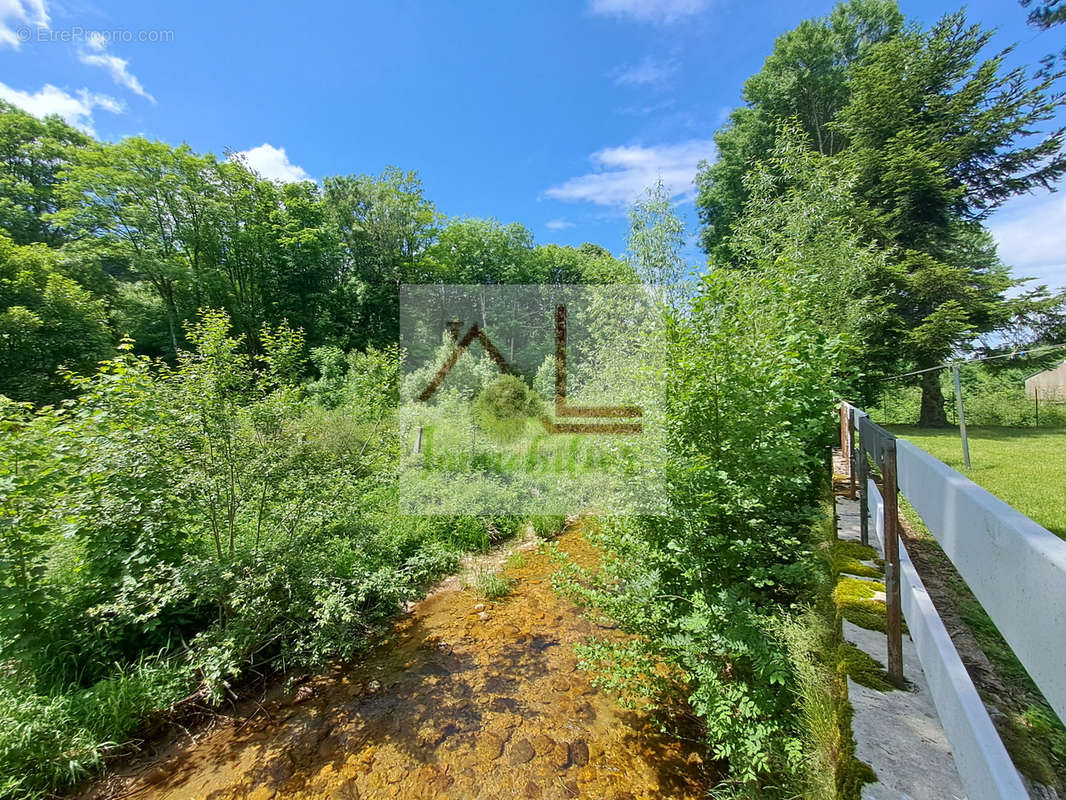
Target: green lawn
1021 466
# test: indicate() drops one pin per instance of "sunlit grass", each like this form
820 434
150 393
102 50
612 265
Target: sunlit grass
492 585
1021 466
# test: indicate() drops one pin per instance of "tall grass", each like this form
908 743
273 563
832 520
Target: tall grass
53 741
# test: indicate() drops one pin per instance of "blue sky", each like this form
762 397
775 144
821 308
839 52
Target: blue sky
555 114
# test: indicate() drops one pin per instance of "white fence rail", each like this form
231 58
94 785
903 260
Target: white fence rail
1015 568
982 761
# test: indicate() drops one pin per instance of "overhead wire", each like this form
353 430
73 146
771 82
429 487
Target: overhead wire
961 362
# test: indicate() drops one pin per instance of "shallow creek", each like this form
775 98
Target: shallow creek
464 699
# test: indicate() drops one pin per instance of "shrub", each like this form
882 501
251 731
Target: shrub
753 374
172 529
504 407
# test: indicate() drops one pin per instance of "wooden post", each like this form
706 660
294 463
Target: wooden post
1036 400
864 493
418 440
852 461
962 417
844 455
893 604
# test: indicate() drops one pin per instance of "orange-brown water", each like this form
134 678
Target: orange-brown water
465 699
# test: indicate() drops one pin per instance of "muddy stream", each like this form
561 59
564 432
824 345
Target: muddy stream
464 699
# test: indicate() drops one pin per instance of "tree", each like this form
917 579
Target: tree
932 137
936 140
805 79
656 238
47 321
1038 317
587 264
470 250
306 269
808 231
384 225
32 154
153 204
202 233
1045 15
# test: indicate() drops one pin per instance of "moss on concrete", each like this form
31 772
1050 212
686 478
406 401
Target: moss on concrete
855 602
851 772
862 668
847 557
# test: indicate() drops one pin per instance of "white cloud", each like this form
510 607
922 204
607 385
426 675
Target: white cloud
76 109
622 173
558 224
271 163
1031 234
646 73
95 55
649 10
18 18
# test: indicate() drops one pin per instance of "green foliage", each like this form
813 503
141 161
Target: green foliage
1045 15
492 585
383 225
747 418
172 529
137 236
927 137
656 238
47 322
56 740
32 154
804 79
830 769
957 144
504 407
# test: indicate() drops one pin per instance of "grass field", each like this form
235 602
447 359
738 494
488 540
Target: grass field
1025 467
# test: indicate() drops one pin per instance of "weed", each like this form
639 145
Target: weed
492 585
516 560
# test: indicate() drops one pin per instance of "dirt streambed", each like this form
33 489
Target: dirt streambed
464 699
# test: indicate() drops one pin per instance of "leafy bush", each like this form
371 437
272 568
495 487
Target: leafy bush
504 407
755 367
173 529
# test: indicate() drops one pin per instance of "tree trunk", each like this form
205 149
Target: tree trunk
172 321
932 413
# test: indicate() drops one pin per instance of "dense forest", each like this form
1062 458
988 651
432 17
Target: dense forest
202 397
104 241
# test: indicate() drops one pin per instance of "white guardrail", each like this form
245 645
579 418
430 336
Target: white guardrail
1017 571
1015 568
980 757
